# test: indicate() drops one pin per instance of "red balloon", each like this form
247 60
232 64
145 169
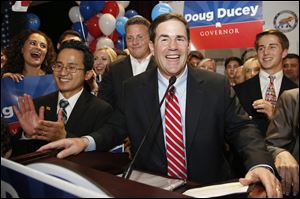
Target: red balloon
93 45
93 26
114 36
111 7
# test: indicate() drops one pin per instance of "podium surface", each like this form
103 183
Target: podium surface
101 168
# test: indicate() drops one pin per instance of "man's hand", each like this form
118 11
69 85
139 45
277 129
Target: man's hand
288 169
27 115
49 130
267 178
71 146
263 106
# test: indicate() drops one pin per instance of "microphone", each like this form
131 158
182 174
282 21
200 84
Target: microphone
128 172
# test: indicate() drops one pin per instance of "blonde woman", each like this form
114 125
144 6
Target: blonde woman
251 68
102 58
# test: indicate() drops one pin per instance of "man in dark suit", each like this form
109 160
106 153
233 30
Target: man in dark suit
271 46
210 113
85 112
139 60
283 140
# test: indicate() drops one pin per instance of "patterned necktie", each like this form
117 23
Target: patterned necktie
63 104
174 137
270 94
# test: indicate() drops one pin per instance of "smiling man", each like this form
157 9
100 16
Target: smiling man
83 112
187 137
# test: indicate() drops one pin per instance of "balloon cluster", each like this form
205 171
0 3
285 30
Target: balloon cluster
101 23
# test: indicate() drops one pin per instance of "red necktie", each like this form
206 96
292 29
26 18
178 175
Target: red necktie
174 137
270 94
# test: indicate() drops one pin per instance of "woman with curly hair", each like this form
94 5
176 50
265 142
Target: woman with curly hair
31 53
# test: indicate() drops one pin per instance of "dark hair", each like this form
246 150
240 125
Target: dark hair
195 53
66 33
291 56
229 59
6 138
15 60
166 17
88 59
283 40
137 21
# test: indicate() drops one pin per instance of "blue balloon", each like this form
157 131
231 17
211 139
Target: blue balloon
97 5
120 43
86 10
120 25
159 9
130 13
32 21
81 29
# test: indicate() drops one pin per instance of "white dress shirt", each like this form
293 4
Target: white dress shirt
139 67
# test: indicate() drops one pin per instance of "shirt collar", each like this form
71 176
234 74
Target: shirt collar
72 100
264 75
179 80
134 60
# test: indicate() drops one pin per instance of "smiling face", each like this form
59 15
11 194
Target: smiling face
101 60
70 83
137 39
170 47
270 54
34 50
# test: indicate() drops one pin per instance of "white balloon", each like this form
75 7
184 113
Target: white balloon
107 24
121 11
124 3
78 2
74 14
104 42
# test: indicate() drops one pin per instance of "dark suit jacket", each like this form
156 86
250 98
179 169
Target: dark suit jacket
249 91
212 113
283 131
112 82
88 115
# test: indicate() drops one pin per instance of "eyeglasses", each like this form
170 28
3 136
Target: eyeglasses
58 67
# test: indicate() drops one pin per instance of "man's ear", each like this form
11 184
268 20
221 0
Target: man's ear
151 46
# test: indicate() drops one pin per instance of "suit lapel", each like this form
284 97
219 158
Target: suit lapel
78 110
194 105
51 107
126 69
149 88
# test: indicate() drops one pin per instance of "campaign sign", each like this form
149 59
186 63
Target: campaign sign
223 24
19 181
10 90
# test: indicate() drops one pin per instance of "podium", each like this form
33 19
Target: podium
100 169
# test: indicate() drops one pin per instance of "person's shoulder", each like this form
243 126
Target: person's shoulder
291 93
47 97
119 62
95 101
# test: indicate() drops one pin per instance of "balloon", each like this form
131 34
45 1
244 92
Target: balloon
120 25
97 5
93 26
86 10
159 9
124 3
107 24
104 42
121 11
130 13
74 14
32 21
111 7
114 36
93 45
120 44
78 2
81 29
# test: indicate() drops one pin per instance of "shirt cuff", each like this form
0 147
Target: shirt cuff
263 165
92 144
